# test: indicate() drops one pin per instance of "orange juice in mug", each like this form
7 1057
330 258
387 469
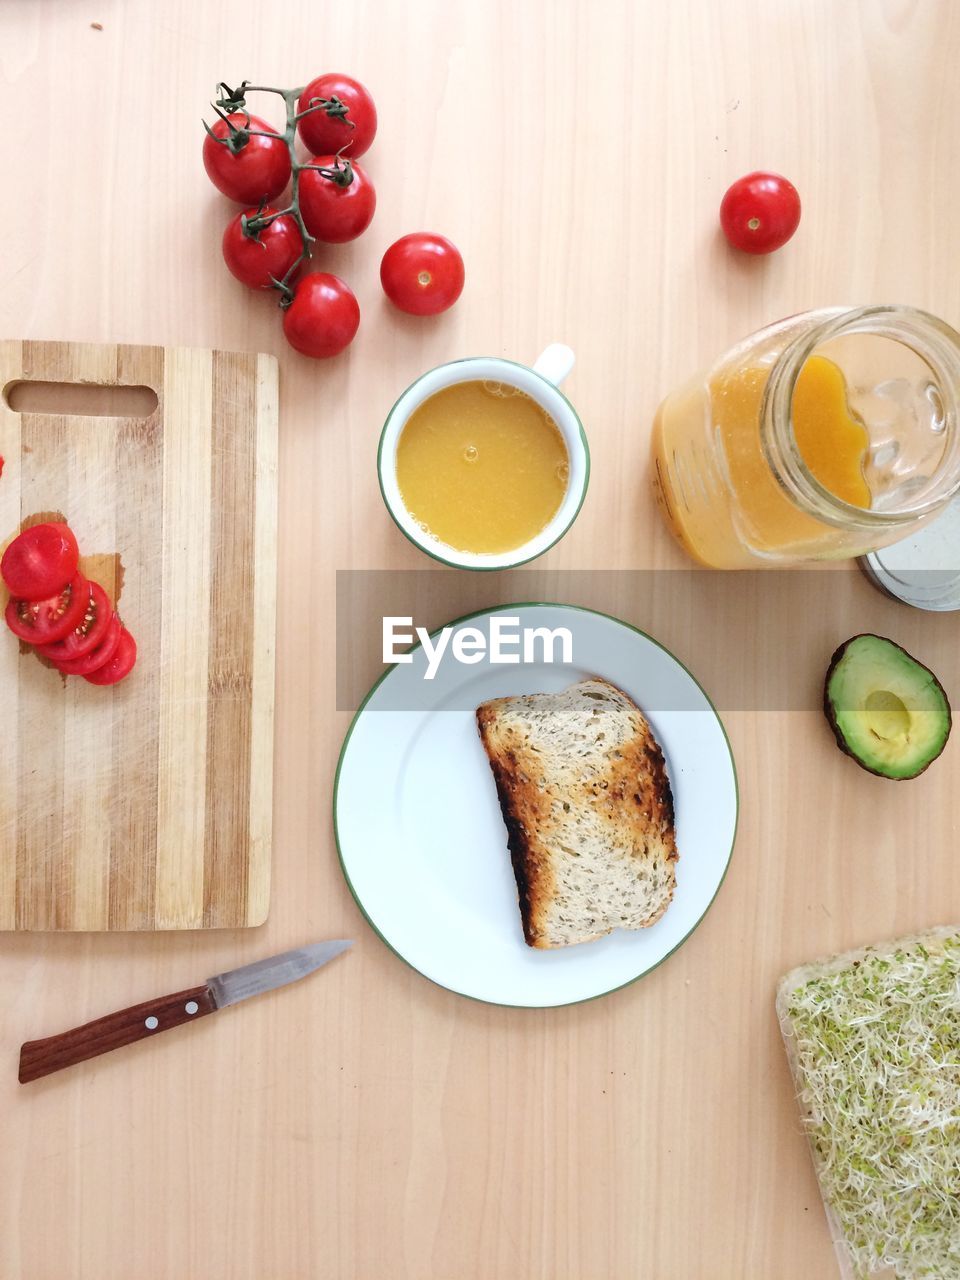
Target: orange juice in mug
483 463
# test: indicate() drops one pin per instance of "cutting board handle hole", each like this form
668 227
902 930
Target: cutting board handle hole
83 399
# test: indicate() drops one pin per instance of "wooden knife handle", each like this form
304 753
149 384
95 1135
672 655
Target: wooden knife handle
41 1057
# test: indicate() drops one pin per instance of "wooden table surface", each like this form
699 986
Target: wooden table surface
366 1124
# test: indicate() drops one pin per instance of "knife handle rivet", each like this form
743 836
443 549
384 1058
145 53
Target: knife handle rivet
151 1023
191 1006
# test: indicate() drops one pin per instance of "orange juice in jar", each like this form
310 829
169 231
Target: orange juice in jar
824 436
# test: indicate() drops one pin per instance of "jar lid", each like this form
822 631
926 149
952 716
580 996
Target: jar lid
924 569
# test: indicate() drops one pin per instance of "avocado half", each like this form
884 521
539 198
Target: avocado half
888 711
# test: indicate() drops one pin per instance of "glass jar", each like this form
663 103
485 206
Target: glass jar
824 436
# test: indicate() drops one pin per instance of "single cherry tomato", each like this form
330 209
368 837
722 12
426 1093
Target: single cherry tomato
258 255
120 665
39 561
344 115
337 199
246 166
422 274
44 621
760 212
85 664
323 317
85 637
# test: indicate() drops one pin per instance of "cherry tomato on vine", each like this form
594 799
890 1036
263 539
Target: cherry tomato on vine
119 665
422 274
344 116
258 256
760 212
337 199
44 621
39 561
245 166
323 317
87 635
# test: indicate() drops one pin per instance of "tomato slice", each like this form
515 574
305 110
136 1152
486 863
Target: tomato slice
88 662
39 561
85 637
44 621
120 665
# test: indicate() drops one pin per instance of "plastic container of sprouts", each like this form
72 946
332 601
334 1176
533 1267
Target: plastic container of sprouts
873 1041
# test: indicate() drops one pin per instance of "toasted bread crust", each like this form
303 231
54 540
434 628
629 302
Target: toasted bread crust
632 794
533 874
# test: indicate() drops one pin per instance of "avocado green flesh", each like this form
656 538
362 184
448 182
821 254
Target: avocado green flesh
888 711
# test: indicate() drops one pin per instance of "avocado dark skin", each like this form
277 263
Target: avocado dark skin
830 711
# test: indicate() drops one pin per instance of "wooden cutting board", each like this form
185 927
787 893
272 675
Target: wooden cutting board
146 806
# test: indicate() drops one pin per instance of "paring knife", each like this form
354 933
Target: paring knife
41 1057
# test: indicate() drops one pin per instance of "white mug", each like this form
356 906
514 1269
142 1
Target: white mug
541 383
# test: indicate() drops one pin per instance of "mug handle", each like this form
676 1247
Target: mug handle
554 363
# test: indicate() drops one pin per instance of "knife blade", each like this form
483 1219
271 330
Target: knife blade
43 1057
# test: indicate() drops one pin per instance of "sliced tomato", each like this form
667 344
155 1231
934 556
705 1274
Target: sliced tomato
120 665
85 637
44 621
40 560
89 662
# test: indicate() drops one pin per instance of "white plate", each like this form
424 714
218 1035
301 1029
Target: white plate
422 841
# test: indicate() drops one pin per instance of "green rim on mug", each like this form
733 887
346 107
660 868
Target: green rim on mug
508 560
620 986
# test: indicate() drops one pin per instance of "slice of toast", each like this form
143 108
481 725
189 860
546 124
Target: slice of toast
873 1042
588 808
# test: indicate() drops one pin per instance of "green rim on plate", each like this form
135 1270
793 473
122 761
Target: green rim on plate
485 568
455 622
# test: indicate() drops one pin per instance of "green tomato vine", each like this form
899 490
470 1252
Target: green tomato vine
234 102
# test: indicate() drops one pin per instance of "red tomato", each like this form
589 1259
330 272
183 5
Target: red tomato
336 204
760 212
246 167
257 260
85 664
84 638
39 561
43 621
120 665
422 274
323 317
345 116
